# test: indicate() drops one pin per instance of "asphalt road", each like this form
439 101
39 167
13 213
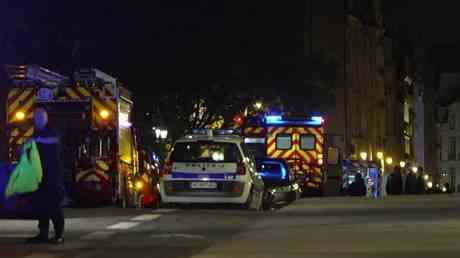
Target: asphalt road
408 226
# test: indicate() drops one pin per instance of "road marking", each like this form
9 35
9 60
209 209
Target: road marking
16 236
98 235
41 256
146 217
123 225
164 210
177 236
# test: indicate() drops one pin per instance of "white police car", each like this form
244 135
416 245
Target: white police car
211 166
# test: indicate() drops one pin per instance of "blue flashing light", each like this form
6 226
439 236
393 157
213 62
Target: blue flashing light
274 119
318 119
278 120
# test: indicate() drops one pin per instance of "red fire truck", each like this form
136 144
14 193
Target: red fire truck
103 161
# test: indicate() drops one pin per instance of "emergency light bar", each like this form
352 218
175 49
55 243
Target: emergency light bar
201 131
227 132
211 132
34 74
278 120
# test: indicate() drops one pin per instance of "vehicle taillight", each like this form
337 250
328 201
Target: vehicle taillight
241 170
167 168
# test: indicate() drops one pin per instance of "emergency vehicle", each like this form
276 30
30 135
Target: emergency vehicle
211 166
298 141
370 172
92 113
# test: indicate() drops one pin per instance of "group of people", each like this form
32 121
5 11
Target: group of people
399 182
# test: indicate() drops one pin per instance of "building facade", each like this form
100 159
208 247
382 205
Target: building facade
374 109
450 147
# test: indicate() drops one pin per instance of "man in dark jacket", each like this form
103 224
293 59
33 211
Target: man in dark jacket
420 182
358 187
411 183
47 199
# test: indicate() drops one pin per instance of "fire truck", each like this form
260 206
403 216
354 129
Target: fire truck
299 141
102 161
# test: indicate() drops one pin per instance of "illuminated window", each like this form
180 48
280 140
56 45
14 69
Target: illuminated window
406 112
307 142
407 145
283 141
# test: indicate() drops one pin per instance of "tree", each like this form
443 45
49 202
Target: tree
206 107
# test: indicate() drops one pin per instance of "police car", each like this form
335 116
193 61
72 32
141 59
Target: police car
211 166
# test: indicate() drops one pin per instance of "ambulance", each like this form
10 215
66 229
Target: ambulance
299 141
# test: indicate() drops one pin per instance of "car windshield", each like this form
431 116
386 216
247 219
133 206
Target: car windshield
205 151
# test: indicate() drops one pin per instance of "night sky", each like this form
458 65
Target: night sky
171 44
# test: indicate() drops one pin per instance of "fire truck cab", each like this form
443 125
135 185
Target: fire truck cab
298 141
92 113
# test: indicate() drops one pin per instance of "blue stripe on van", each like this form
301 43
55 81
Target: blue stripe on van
203 175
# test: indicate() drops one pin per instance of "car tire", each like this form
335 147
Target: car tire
254 201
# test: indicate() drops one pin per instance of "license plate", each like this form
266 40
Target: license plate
203 185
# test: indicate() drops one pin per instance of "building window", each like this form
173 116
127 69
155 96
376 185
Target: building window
407 145
452 176
452 148
406 112
452 122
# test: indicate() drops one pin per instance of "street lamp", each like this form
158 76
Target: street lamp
415 169
389 160
402 164
258 105
429 184
158 133
380 155
426 177
363 155
163 134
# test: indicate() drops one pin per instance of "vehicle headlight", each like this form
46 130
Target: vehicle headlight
20 115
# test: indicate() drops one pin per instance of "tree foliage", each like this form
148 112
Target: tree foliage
205 107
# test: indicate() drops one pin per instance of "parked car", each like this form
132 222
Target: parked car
280 183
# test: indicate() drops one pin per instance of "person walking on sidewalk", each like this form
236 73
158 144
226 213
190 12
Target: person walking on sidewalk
46 201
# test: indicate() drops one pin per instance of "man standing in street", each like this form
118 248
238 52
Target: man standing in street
47 199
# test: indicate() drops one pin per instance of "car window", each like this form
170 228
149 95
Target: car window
283 141
307 142
205 151
272 168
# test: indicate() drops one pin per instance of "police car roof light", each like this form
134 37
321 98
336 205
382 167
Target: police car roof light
226 132
201 131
